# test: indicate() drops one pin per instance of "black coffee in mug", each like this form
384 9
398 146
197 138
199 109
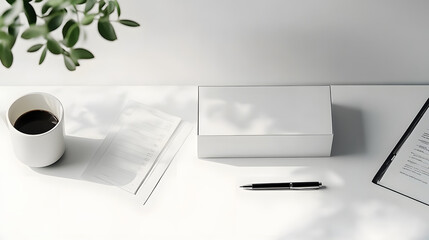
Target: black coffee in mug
36 122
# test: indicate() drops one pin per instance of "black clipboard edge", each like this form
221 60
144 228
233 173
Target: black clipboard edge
398 146
427 204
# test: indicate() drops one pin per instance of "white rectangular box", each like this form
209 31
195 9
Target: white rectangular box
264 121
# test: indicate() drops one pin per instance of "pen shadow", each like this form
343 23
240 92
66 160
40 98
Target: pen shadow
349 139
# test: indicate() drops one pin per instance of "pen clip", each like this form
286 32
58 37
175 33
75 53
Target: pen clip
304 185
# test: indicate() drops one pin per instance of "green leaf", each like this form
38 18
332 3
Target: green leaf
71 66
75 61
54 47
35 48
7 39
101 4
13 32
87 19
45 8
72 57
34 32
57 3
43 56
30 13
106 30
6 56
55 21
5 13
78 2
67 26
118 8
72 35
80 53
129 23
110 8
4 36
89 5
10 15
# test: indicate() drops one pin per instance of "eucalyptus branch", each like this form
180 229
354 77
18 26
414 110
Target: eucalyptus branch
54 15
77 13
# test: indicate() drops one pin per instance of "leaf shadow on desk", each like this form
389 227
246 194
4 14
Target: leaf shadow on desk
349 139
91 115
94 115
351 201
73 163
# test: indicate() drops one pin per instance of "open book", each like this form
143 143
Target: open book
406 169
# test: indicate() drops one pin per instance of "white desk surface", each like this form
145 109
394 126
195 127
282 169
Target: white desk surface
200 199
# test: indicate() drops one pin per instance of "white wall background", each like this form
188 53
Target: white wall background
233 42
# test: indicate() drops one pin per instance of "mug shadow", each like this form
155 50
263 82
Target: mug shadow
78 154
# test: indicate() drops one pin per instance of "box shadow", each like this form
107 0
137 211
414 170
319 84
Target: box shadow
349 139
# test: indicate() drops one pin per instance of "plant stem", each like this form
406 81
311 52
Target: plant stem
77 13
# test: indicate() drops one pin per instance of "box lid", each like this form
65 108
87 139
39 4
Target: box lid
264 110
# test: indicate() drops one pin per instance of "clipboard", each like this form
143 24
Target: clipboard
391 157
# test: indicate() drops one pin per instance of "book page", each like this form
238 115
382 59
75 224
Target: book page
409 171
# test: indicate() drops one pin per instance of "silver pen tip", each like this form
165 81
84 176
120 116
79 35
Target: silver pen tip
246 186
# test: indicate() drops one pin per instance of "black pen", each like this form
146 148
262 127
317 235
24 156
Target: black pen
283 186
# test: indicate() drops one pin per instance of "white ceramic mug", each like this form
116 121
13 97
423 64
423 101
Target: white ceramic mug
37 150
